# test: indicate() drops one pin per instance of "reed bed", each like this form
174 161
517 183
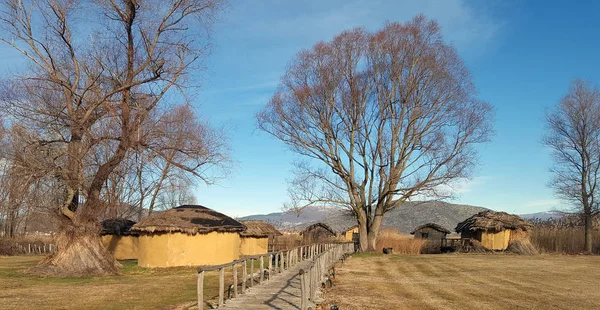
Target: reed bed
399 242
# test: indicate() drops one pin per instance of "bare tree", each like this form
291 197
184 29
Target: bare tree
573 135
90 87
382 118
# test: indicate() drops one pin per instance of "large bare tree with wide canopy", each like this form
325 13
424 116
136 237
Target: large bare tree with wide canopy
380 118
98 72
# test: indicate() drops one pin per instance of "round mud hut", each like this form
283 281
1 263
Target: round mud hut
188 235
256 238
118 238
496 230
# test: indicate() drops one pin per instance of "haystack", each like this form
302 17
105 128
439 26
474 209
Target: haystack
496 230
188 235
118 238
256 238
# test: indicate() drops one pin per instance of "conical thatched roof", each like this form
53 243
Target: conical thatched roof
493 221
189 219
431 225
117 226
258 229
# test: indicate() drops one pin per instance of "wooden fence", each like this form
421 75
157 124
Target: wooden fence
36 248
316 274
277 262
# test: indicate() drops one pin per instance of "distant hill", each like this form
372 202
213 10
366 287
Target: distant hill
546 215
404 218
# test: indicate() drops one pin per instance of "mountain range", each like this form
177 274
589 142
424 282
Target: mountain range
403 218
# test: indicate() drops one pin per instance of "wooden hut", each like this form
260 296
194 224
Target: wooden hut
257 237
494 230
188 235
318 233
118 238
430 231
349 233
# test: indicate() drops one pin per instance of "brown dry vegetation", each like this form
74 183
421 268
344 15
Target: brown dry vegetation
137 288
567 240
466 281
401 243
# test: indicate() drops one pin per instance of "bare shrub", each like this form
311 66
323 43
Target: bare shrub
401 243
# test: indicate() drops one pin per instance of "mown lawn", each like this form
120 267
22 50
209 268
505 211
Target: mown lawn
369 281
136 288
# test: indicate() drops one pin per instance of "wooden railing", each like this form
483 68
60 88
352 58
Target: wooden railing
36 248
277 263
317 273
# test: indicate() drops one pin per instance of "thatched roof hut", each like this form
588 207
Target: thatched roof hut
318 232
492 221
188 219
432 226
188 235
258 229
495 230
117 227
257 237
118 238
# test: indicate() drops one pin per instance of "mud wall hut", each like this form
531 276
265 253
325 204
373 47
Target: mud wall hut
118 238
494 230
257 237
318 233
350 233
188 235
434 233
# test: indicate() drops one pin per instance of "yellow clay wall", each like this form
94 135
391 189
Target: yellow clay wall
122 247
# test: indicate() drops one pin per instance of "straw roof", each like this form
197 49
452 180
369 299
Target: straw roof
433 226
117 226
189 219
258 229
313 226
493 221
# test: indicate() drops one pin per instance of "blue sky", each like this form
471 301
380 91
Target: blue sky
522 56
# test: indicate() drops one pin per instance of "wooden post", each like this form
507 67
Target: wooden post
303 301
251 272
262 270
270 266
221 286
276 267
244 277
29 248
235 281
201 290
281 262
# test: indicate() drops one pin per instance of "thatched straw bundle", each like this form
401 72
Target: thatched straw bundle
431 225
188 219
118 227
492 221
259 229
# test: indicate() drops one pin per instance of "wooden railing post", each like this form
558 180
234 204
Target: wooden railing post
244 276
251 272
276 267
235 281
221 287
262 270
281 262
200 289
303 291
270 266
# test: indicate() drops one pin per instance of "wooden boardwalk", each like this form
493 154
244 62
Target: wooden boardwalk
281 292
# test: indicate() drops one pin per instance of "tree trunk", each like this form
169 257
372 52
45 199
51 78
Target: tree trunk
374 233
80 253
588 232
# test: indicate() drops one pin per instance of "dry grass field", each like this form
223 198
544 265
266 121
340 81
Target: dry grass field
136 288
467 281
